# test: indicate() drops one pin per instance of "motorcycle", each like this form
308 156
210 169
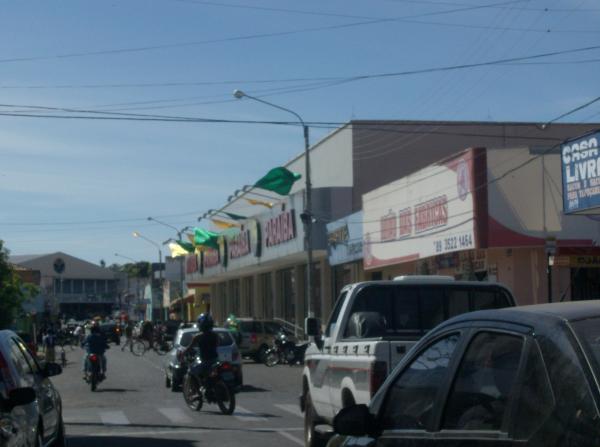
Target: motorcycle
285 350
213 386
93 370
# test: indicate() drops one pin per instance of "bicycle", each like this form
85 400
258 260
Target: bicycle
161 346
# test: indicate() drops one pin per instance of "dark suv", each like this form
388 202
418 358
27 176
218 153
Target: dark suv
256 336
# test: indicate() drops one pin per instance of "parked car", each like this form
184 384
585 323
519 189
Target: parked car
30 406
256 336
176 367
526 376
112 332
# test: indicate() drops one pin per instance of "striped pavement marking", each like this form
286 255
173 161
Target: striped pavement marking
176 415
290 408
247 416
114 418
292 438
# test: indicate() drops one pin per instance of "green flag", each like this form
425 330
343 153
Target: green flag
206 238
279 180
186 246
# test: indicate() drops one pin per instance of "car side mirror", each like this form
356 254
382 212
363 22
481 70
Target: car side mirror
52 369
355 420
312 327
20 396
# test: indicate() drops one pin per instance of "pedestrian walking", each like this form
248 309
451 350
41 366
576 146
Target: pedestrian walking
128 336
49 342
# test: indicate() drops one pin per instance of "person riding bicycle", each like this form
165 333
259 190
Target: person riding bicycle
95 343
128 336
206 341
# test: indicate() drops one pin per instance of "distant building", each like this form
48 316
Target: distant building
71 287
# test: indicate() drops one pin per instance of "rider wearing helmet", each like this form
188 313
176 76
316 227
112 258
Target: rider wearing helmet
206 341
95 343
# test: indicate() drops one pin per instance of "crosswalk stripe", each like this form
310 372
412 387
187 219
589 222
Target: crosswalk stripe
247 416
292 438
176 415
114 418
290 408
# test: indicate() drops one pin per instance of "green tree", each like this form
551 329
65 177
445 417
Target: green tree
13 293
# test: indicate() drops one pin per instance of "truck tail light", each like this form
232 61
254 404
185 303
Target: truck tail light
378 374
253 338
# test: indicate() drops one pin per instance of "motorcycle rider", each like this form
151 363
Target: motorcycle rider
206 341
95 343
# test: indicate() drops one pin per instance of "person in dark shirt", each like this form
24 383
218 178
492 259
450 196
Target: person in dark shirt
95 343
206 341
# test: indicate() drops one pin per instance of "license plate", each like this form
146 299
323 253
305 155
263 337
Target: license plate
227 376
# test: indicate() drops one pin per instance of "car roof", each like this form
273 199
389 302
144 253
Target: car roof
534 314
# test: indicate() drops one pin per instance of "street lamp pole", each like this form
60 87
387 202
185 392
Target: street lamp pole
137 281
307 217
160 273
181 266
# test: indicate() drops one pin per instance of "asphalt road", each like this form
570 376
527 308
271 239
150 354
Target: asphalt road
134 408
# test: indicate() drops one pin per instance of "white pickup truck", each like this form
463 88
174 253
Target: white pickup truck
372 325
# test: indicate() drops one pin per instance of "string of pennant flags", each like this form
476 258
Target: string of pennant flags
279 180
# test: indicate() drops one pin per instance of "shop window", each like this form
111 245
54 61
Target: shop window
89 286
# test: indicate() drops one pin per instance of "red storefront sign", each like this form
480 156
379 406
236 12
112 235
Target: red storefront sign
280 229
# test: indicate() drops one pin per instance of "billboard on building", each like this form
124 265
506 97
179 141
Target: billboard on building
428 213
344 239
580 161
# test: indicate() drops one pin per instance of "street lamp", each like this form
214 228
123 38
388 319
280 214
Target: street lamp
306 216
181 270
150 241
137 281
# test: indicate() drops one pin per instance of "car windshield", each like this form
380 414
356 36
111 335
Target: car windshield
225 338
588 333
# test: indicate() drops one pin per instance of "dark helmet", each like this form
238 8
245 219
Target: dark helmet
205 323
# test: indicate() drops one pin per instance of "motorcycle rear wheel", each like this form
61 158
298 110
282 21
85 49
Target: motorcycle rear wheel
93 382
191 393
271 358
225 398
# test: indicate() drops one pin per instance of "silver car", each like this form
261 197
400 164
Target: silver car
30 406
176 366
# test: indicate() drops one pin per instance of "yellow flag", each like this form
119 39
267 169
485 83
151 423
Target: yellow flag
176 250
222 224
260 202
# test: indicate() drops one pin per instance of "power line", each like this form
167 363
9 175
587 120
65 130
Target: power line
341 81
250 36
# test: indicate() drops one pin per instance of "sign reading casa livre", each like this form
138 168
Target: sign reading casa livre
239 245
581 174
280 229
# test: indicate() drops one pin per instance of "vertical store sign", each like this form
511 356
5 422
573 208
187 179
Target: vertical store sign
580 161
280 229
428 213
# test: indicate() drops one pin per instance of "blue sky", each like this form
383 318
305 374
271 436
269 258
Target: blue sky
58 175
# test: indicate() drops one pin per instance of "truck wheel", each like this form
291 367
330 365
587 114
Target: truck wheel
311 438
